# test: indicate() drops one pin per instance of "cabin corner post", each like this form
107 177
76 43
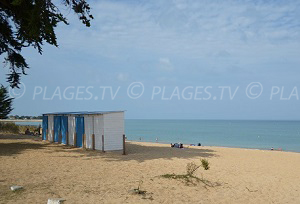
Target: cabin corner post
52 139
103 143
60 137
124 145
93 141
67 138
84 141
75 140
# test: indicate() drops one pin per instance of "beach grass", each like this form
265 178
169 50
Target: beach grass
9 127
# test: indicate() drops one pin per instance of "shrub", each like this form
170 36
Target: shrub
191 168
9 128
205 164
189 177
23 128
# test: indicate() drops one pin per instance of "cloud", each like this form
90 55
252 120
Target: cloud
212 34
122 77
188 29
178 42
165 65
223 54
166 79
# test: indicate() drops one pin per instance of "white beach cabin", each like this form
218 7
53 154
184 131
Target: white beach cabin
101 130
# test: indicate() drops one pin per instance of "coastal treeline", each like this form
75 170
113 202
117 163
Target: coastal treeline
24 117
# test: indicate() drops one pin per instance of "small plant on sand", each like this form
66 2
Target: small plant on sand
138 191
191 168
205 164
189 177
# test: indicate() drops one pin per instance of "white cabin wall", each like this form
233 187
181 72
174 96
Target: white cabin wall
50 127
71 129
113 131
98 131
88 130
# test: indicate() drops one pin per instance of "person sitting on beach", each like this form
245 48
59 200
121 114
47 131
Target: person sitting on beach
38 130
27 132
177 145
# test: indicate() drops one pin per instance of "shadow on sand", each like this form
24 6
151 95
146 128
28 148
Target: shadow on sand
13 148
134 151
140 153
18 137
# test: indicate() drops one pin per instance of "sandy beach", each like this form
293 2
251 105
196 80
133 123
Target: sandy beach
82 176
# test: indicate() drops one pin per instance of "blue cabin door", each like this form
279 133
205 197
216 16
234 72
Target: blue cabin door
64 129
79 130
57 127
45 127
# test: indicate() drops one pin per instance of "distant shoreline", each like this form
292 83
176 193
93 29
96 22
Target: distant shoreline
16 120
213 146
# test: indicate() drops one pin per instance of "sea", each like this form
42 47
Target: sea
254 134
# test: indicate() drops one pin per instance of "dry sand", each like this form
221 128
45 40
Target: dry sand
79 176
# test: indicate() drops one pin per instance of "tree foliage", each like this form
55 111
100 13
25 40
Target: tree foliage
31 23
5 103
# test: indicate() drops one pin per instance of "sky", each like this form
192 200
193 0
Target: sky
170 59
